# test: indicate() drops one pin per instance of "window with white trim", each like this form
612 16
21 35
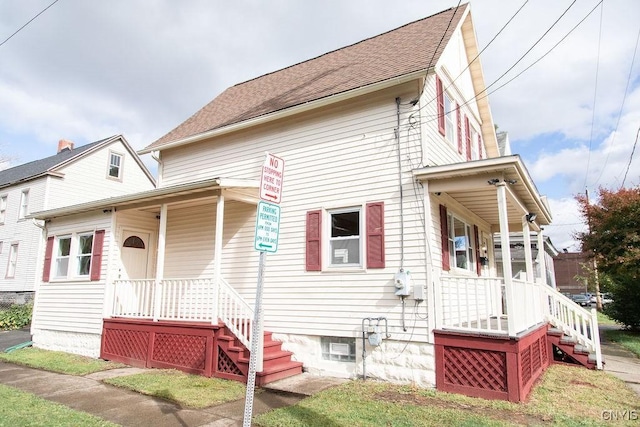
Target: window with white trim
345 243
3 208
115 165
73 255
475 155
450 118
24 204
461 246
13 260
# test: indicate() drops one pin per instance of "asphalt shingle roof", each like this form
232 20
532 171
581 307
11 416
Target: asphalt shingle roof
398 52
38 167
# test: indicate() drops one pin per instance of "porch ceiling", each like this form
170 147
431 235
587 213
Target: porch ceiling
472 184
243 190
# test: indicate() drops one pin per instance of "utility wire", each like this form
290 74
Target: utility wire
595 93
630 158
626 92
28 22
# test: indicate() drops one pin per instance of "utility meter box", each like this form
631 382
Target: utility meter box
402 283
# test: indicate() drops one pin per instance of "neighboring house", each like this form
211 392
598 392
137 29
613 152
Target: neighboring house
108 167
393 184
571 269
519 265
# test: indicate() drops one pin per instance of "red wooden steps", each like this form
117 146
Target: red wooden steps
575 352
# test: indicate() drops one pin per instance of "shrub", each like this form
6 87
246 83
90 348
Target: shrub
16 317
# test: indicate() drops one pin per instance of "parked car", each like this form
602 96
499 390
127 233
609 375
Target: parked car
582 300
605 298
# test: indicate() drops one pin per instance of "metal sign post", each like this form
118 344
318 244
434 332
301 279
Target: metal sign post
266 240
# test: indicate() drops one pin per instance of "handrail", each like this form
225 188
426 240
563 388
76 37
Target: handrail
574 321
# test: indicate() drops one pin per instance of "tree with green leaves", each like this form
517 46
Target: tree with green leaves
613 240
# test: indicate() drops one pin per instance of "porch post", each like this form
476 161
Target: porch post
217 257
506 256
528 260
542 261
433 295
162 232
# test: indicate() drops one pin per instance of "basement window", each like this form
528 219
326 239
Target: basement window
339 349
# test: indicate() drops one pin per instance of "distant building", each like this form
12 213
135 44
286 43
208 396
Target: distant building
568 265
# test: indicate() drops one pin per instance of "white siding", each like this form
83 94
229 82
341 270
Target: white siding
23 232
341 156
73 305
86 178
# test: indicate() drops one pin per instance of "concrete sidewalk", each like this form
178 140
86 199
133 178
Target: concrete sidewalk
620 362
127 408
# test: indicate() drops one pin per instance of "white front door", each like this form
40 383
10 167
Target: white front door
134 252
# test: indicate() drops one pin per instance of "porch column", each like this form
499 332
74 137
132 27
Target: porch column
542 261
506 256
162 232
217 257
528 258
434 302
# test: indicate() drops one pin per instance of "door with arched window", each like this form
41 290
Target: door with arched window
134 252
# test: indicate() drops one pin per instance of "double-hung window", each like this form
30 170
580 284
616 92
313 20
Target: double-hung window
13 260
73 255
344 237
115 165
450 118
461 246
24 204
3 208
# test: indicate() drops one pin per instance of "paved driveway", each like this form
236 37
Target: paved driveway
11 338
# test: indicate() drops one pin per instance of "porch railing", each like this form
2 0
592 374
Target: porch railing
197 300
479 305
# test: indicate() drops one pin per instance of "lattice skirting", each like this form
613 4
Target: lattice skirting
490 366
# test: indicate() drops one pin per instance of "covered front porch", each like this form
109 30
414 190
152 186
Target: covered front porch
489 327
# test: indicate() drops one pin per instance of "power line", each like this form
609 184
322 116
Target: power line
624 99
595 93
630 158
28 22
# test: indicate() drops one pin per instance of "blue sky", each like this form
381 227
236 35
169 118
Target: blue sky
88 69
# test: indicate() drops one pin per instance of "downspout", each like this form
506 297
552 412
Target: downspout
155 155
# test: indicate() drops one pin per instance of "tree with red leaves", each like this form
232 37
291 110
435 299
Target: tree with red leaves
613 240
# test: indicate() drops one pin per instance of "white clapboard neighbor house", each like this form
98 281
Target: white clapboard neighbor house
109 167
393 187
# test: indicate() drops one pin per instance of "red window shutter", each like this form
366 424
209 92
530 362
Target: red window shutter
48 253
314 236
476 233
459 120
467 131
96 255
444 239
375 235
440 96
480 146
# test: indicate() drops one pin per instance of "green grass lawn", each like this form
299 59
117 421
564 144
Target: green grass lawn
57 361
566 396
627 339
24 409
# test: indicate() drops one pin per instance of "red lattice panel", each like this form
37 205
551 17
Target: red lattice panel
544 353
525 361
481 369
226 365
126 343
536 360
180 350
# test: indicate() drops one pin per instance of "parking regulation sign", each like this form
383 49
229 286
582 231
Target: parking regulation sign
271 179
267 227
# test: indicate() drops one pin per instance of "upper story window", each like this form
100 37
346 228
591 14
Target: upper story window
3 208
24 204
473 143
451 113
115 165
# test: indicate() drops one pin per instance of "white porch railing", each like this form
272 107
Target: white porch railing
197 300
479 305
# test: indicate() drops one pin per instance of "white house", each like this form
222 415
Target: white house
109 167
393 186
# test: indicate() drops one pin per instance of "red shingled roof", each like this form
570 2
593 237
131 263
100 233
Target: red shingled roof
395 53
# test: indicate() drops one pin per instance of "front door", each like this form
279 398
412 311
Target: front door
134 252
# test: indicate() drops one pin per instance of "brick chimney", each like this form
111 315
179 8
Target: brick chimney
63 144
